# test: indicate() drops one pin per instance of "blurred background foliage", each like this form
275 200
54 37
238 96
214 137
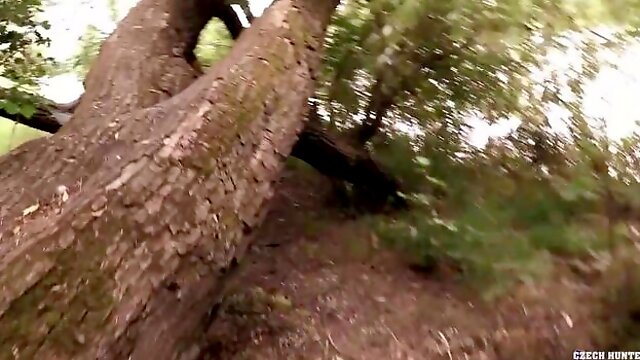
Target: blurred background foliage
22 60
550 185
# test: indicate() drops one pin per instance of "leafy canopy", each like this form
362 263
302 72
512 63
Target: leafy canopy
22 63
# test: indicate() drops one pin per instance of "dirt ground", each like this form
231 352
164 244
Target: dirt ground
317 285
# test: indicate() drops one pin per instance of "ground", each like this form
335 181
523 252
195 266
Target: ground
317 285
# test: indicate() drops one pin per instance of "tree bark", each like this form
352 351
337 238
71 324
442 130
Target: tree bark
116 231
333 155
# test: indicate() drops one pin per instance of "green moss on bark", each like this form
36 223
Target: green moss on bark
74 291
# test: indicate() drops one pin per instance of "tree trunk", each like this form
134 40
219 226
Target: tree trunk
117 230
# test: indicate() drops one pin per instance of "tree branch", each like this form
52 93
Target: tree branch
231 20
384 98
166 32
336 158
49 117
379 104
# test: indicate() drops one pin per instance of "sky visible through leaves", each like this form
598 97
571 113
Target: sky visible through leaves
611 94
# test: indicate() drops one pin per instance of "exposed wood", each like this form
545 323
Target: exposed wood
144 62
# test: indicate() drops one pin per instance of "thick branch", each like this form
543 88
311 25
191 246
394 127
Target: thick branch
338 159
43 120
161 34
49 117
144 62
231 20
188 19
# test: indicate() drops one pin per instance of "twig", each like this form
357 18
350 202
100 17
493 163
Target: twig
600 35
444 339
400 344
391 332
335 347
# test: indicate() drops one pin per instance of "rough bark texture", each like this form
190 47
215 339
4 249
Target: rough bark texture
115 231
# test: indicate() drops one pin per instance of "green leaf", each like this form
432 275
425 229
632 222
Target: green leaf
436 182
423 161
27 110
10 107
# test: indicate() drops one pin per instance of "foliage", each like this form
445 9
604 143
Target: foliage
435 61
215 43
90 43
498 217
502 212
22 42
431 68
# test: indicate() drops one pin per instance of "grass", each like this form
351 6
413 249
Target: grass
485 249
12 135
